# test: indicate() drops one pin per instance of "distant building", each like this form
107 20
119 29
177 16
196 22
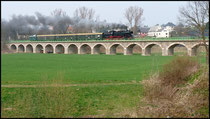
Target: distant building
153 30
160 32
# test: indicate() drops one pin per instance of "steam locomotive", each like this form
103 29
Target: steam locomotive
108 35
117 35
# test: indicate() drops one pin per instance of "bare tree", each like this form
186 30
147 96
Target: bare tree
129 15
137 17
91 14
61 21
84 21
196 14
134 16
58 12
84 13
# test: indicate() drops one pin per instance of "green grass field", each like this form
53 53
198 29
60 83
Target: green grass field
76 101
33 68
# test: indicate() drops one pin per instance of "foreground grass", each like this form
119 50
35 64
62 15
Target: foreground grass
93 101
77 101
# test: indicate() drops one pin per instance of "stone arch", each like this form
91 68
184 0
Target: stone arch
59 49
29 48
153 48
13 48
116 48
133 48
39 48
180 48
49 48
85 49
21 48
197 47
72 49
99 48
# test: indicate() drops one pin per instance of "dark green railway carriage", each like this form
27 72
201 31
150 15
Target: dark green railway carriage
67 37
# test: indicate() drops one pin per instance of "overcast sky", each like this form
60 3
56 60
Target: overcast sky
155 12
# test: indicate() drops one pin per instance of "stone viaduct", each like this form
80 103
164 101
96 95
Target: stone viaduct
106 47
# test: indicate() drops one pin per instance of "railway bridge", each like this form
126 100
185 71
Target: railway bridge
106 47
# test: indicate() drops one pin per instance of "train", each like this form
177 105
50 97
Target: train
108 35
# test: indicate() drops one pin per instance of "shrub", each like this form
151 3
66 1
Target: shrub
177 71
164 97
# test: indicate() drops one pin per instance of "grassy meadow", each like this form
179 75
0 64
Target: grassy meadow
86 69
80 100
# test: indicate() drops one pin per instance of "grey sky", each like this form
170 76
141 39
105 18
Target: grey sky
155 12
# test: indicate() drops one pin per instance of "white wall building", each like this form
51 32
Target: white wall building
153 30
159 32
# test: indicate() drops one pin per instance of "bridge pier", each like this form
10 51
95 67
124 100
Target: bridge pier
25 49
65 50
54 49
34 50
143 52
92 51
43 50
79 51
125 51
107 51
189 52
164 52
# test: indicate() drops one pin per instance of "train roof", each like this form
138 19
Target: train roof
67 34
